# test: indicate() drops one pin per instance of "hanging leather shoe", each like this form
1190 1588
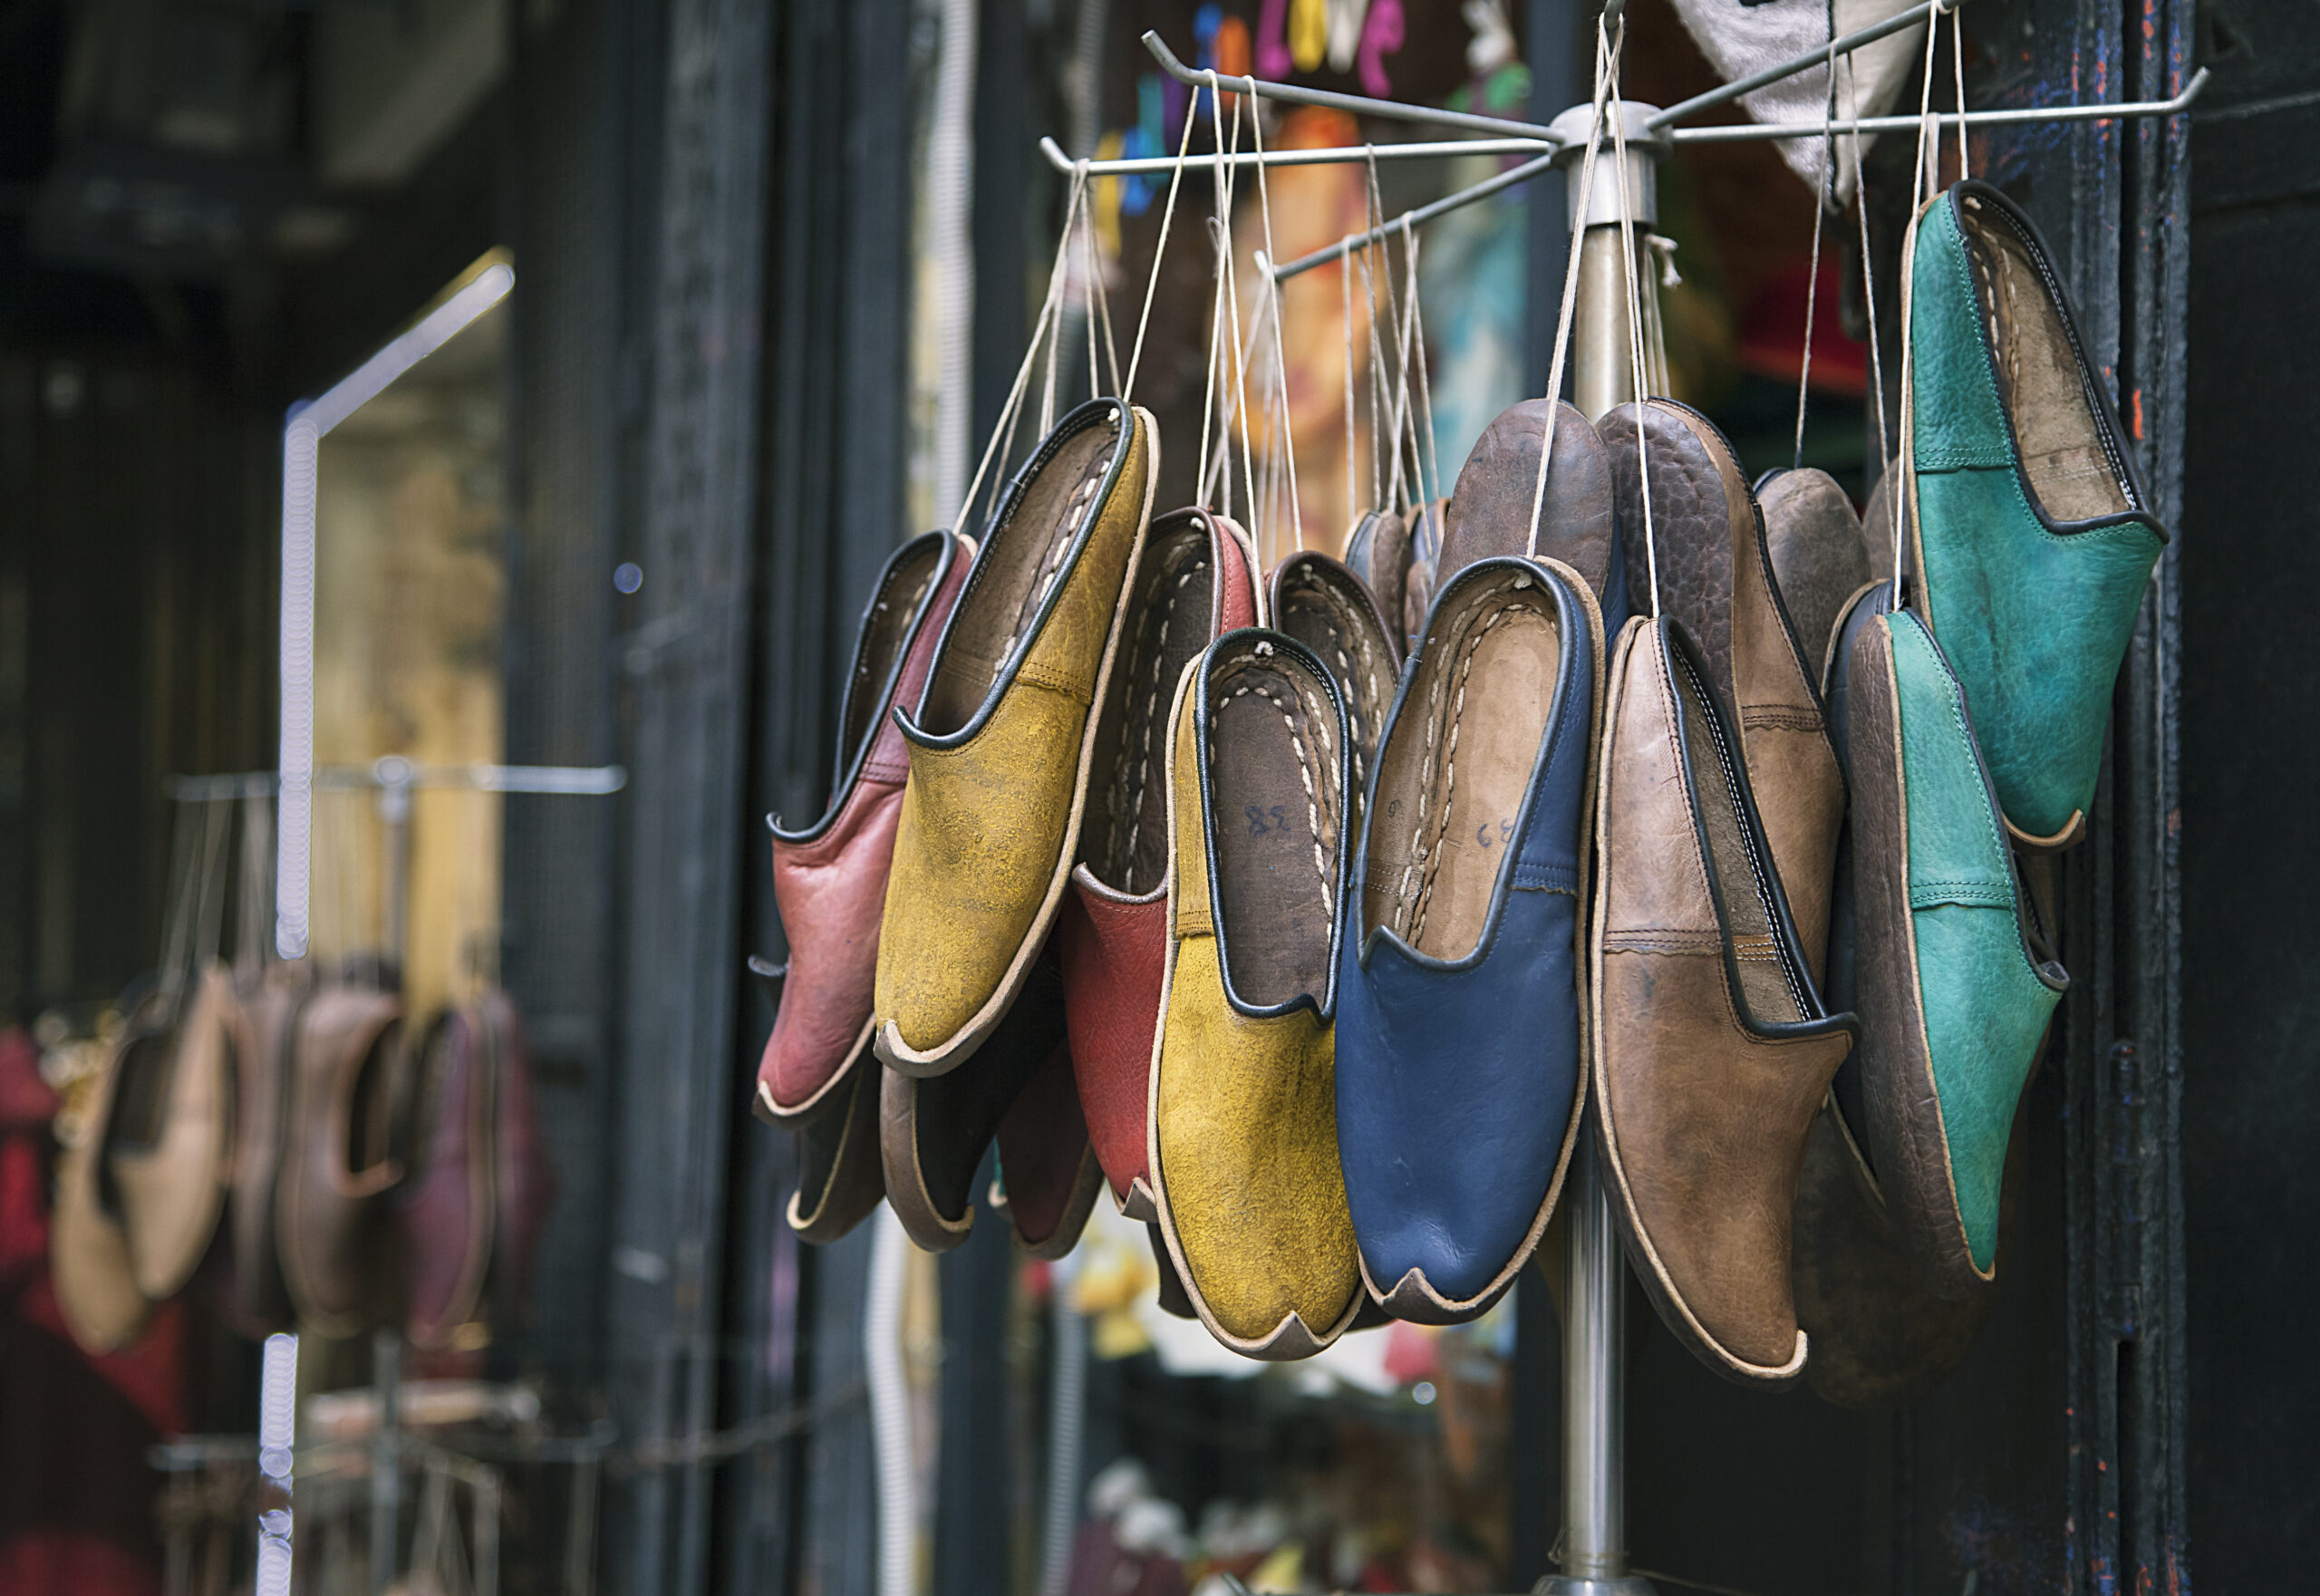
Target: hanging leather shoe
934 1130
1001 745
829 878
169 1144
2032 543
1489 513
1713 1049
1819 555
1244 1143
331 1223
1954 1000
449 1210
1378 552
1455 1127
1716 579
1192 582
1316 601
96 1285
254 1296
840 1179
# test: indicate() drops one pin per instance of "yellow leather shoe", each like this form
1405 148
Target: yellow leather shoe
1243 1120
1001 743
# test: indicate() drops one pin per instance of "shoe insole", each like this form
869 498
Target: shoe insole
1125 840
1020 560
1342 627
880 651
1487 683
2040 381
1274 783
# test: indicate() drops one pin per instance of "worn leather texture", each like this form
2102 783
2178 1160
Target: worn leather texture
1318 602
1192 581
331 1223
1489 512
1455 1127
1244 1147
1716 578
169 1147
88 1253
254 1296
933 1131
829 878
1955 1004
1713 1049
2034 556
1819 555
999 748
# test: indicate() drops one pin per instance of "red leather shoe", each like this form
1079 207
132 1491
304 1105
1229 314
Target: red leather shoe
829 878
1192 584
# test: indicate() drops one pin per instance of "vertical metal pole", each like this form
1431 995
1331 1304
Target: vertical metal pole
1593 1555
395 776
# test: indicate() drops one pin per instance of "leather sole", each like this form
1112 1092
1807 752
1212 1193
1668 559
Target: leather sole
1903 1106
1139 1205
959 1046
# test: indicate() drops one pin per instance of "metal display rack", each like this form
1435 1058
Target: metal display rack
1592 1550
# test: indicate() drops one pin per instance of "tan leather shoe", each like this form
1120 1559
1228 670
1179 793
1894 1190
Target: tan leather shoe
1000 746
96 1288
168 1143
1716 578
1714 1050
332 1220
1819 555
1320 604
1244 1137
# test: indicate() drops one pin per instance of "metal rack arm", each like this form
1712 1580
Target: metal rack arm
1743 133
1424 213
1358 104
1160 165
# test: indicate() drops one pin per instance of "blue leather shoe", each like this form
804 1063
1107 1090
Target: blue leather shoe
1459 986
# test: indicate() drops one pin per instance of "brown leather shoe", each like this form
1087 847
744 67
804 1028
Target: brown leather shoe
1819 555
1048 1175
1714 1050
332 1219
840 1180
1318 602
829 877
169 1139
96 1290
1489 512
448 1211
253 1295
1192 582
1716 577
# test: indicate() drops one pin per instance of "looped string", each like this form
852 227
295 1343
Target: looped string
1924 183
1279 444
1429 535
1570 285
1373 218
1229 284
1160 249
1958 64
1821 195
1044 328
1635 324
1404 421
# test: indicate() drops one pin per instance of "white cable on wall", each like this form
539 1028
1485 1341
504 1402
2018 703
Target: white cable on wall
881 1358
950 207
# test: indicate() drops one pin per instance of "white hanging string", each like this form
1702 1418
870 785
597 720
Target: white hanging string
1869 290
1002 434
1570 284
1287 450
1923 182
1428 532
1160 249
1635 324
1344 311
1372 219
1822 192
1225 189
1405 411
1957 63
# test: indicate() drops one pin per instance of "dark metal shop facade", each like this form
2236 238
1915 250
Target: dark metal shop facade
710 379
